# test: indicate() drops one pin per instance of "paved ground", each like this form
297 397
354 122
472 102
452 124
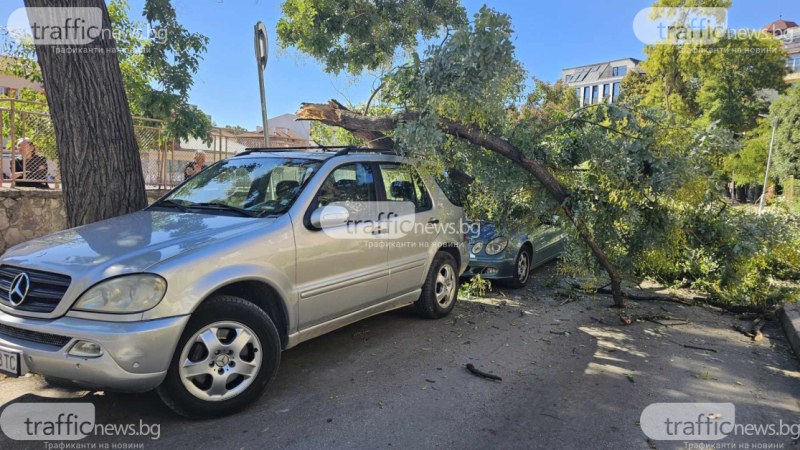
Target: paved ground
573 377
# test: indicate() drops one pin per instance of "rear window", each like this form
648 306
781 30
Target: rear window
455 192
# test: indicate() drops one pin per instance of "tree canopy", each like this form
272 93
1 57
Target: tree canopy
640 180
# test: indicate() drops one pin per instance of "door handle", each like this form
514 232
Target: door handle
433 221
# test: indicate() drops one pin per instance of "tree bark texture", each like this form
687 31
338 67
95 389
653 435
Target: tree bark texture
101 170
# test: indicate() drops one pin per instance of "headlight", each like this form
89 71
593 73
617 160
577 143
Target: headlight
477 248
496 245
125 294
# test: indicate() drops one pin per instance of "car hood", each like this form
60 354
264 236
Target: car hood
126 244
480 231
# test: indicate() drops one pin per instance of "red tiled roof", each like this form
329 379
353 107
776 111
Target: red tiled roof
779 26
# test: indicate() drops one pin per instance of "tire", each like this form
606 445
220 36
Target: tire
226 339
440 291
522 269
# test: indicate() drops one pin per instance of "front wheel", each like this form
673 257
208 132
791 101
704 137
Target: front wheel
226 357
522 269
440 291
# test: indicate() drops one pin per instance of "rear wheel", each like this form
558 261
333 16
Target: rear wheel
228 354
440 291
522 269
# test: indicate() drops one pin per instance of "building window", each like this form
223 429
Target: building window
567 78
605 91
619 71
586 94
595 91
615 91
578 93
794 63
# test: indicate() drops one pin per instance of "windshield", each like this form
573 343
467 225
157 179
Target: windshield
251 186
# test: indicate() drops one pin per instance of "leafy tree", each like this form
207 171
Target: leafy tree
747 166
638 184
355 35
157 70
787 137
721 82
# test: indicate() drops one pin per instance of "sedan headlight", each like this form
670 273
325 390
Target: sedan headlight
496 245
477 248
125 294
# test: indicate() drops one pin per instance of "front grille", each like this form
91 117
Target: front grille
45 292
34 336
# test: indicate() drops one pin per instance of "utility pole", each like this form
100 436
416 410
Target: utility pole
262 53
769 160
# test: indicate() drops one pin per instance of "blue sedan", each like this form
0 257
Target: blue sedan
509 256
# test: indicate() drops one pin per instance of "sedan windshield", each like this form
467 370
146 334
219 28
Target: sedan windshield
244 186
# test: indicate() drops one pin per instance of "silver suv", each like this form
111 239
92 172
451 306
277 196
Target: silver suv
198 294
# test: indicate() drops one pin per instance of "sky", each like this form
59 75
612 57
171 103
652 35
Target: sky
550 35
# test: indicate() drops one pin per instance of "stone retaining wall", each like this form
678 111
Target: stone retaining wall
27 213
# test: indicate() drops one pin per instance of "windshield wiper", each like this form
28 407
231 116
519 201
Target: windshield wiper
181 205
227 207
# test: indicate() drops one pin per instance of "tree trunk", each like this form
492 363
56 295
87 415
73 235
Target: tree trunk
370 130
101 171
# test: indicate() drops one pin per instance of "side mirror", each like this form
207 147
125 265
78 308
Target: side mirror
329 216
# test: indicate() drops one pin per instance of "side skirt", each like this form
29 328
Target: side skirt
339 322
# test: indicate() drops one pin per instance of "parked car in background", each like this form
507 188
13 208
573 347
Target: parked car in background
509 256
197 295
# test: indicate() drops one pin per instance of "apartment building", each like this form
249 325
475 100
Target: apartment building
789 34
600 82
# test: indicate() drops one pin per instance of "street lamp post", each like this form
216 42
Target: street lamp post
769 160
262 53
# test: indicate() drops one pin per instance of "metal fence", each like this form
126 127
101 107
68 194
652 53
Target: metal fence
25 119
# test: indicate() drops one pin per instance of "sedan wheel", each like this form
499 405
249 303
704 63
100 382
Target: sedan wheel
522 269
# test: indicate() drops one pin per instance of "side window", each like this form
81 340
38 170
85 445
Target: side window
348 183
401 184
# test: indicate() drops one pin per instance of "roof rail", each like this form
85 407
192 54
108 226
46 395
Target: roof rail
348 150
340 150
324 148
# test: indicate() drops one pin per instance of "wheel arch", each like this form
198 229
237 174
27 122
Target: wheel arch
263 295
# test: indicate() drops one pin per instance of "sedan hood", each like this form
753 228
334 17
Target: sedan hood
126 244
482 231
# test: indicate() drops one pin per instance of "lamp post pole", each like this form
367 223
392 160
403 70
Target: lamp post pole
769 160
262 53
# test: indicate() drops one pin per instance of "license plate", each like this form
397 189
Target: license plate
9 363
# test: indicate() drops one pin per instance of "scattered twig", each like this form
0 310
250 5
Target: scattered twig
482 374
659 320
699 348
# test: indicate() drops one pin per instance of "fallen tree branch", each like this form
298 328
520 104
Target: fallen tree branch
482 374
371 129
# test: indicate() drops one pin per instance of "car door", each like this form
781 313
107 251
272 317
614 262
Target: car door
340 269
413 230
547 243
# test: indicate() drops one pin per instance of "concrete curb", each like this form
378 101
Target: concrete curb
790 319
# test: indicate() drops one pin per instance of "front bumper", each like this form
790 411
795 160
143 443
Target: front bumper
135 355
500 267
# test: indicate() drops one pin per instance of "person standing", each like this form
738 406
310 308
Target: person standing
31 169
196 166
